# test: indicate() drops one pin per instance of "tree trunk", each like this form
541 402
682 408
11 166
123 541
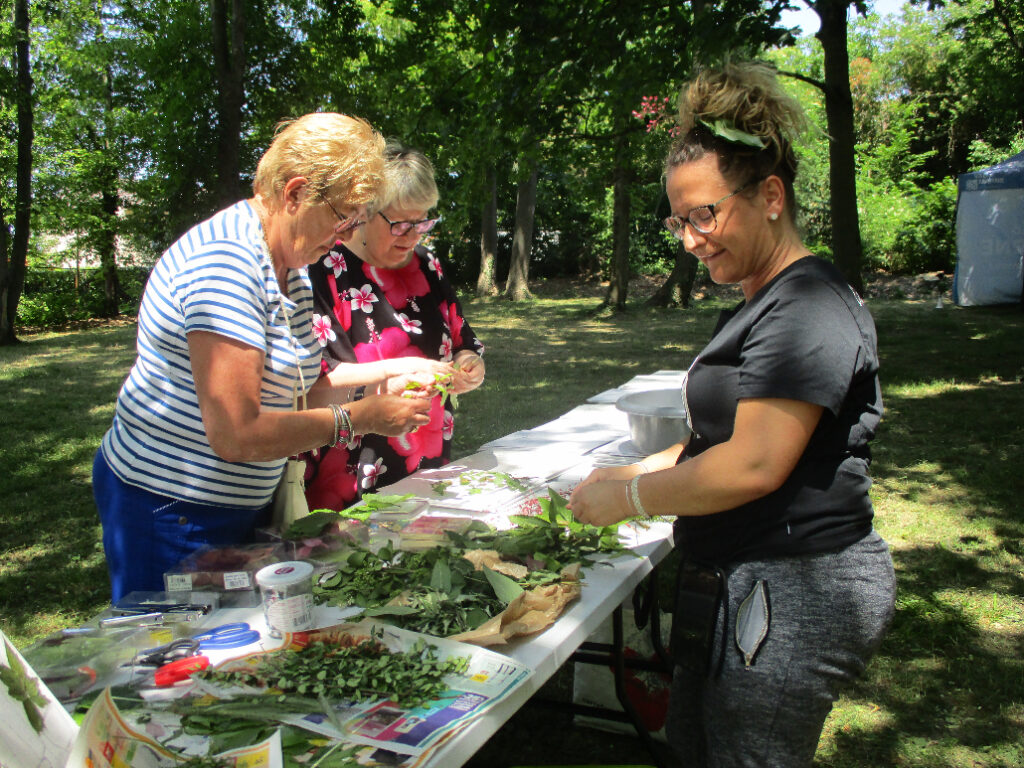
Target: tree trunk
106 244
485 282
517 286
676 290
846 243
618 285
12 270
229 66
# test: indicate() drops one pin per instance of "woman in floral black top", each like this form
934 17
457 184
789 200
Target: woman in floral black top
382 300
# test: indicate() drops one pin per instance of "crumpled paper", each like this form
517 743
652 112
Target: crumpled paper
534 610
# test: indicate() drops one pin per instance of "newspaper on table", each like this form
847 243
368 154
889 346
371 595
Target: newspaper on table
109 740
489 678
373 733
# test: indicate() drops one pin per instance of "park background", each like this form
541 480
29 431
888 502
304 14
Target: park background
548 123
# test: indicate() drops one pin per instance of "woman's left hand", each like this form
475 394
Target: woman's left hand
600 503
469 372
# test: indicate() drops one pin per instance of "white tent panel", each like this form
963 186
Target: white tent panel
990 247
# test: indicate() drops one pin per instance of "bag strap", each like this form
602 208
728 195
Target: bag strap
288 327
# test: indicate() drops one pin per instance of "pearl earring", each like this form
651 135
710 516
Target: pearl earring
773 216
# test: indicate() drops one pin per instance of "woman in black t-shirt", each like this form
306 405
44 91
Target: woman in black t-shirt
785 589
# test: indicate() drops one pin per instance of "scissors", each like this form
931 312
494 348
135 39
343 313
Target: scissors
175 650
226 636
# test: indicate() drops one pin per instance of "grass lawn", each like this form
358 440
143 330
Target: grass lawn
947 688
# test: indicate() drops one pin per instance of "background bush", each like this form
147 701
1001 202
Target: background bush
57 296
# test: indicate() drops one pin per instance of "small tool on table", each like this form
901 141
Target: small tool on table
179 659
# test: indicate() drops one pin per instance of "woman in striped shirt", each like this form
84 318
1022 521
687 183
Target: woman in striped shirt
205 420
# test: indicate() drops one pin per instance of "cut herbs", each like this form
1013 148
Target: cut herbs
360 672
436 591
445 591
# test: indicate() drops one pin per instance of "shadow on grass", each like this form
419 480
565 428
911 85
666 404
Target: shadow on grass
59 403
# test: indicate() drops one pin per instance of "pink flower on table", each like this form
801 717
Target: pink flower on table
409 326
445 350
336 262
371 472
363 298
424 442
322 329
391 343
453 320
449 425
399 285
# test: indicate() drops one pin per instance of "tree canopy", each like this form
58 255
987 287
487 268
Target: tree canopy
148 116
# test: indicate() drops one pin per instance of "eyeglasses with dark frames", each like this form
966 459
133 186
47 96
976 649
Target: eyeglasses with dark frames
345 223
399 228
702 218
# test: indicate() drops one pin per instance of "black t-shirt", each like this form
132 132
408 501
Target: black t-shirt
805 336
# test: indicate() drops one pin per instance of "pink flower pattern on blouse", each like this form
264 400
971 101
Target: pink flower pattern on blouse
335 262
399 285
322 329
363 298
383 314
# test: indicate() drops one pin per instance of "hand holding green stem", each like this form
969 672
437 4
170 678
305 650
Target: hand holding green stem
442 384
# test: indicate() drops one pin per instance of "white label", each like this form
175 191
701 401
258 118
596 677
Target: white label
237 580
178 582
289 614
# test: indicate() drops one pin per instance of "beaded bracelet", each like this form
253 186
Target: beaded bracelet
634 495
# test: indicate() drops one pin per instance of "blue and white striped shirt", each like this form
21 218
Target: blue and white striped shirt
217 277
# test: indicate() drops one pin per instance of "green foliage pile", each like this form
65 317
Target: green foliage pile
440 592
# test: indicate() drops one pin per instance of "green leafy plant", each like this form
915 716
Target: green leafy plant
366 671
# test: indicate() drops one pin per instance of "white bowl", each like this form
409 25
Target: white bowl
656 418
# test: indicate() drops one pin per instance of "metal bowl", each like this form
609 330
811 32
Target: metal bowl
656 418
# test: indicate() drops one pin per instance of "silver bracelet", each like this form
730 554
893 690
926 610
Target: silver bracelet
336 411
634 495
644 469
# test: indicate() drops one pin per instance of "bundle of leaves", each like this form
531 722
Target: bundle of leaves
476 481
549 541
228 724
316 522
440 592
436 591
360 672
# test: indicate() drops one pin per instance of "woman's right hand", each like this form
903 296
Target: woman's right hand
414 373
388 415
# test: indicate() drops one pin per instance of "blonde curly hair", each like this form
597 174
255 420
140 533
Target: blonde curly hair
726 111
341 157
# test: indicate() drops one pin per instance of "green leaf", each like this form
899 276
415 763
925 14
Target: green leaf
391 610
23 688
441 577
505 588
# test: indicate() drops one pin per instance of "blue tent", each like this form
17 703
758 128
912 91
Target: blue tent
990 235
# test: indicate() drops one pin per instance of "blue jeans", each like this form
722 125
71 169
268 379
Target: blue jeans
146 534
828 615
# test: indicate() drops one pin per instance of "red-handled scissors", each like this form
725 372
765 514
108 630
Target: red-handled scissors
179 670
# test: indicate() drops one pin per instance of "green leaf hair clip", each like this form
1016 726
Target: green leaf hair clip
728 131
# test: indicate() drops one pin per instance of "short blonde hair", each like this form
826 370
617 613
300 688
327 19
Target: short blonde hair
408 180
341 157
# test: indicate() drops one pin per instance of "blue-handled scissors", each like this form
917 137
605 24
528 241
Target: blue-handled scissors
226 636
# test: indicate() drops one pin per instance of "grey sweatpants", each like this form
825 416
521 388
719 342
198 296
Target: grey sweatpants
828 614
